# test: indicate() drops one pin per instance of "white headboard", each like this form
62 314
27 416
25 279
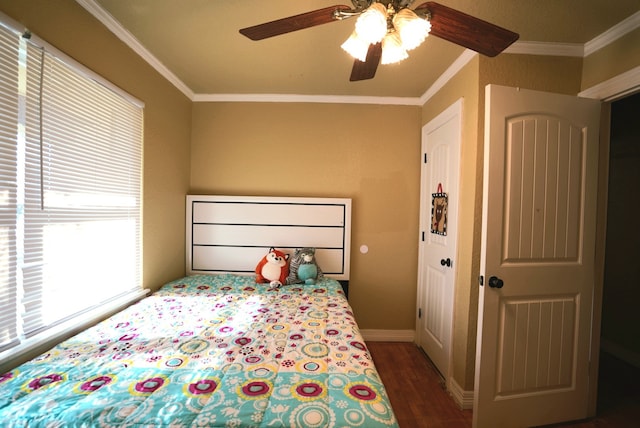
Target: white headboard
232 233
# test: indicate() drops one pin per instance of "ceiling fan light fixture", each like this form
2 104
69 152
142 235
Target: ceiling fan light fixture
356 47
400 27
371 25
412 29
392 49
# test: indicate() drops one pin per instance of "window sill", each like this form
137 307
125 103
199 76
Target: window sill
34 346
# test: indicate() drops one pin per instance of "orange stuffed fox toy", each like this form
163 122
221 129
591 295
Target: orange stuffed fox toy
273 268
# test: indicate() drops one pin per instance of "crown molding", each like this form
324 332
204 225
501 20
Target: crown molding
546 48
612 34
123 34
451 71
293 98
520 47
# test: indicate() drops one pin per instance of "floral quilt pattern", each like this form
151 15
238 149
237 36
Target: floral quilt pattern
208 351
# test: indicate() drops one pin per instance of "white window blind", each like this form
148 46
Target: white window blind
9 44
71 171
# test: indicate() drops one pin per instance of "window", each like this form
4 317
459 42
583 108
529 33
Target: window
70 191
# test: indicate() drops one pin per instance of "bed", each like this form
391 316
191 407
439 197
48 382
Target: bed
215 348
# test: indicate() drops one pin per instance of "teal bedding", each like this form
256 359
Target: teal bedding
208 351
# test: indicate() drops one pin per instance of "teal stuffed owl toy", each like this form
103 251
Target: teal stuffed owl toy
303 268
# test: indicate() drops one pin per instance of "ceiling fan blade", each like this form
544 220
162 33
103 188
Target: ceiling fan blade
466 30
363 70
293 23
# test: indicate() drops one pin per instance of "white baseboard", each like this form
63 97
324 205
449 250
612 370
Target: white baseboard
373 335
464 399
620 352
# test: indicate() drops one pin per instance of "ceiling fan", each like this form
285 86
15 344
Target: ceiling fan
445 22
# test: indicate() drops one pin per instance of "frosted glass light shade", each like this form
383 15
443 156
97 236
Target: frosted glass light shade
411 28
392 49
356 47
371 25
399 32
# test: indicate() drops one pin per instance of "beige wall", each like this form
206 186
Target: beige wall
368 153
614 59
544 73
167 121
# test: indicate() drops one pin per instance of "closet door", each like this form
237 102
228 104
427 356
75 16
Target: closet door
438 217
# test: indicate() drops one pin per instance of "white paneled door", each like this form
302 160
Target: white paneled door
438 217
537 262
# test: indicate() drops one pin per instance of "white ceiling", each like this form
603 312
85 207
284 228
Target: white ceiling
197 45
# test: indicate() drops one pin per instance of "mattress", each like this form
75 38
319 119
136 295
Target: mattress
208 351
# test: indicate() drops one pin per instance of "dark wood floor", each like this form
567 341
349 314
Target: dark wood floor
419 399
415 387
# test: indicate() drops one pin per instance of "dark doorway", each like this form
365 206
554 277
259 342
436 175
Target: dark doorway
619 370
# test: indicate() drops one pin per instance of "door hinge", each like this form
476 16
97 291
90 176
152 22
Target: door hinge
425 158
423 236
419 312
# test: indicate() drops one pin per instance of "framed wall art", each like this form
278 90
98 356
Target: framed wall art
439 203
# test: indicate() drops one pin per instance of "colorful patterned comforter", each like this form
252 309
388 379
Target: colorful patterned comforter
208 351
